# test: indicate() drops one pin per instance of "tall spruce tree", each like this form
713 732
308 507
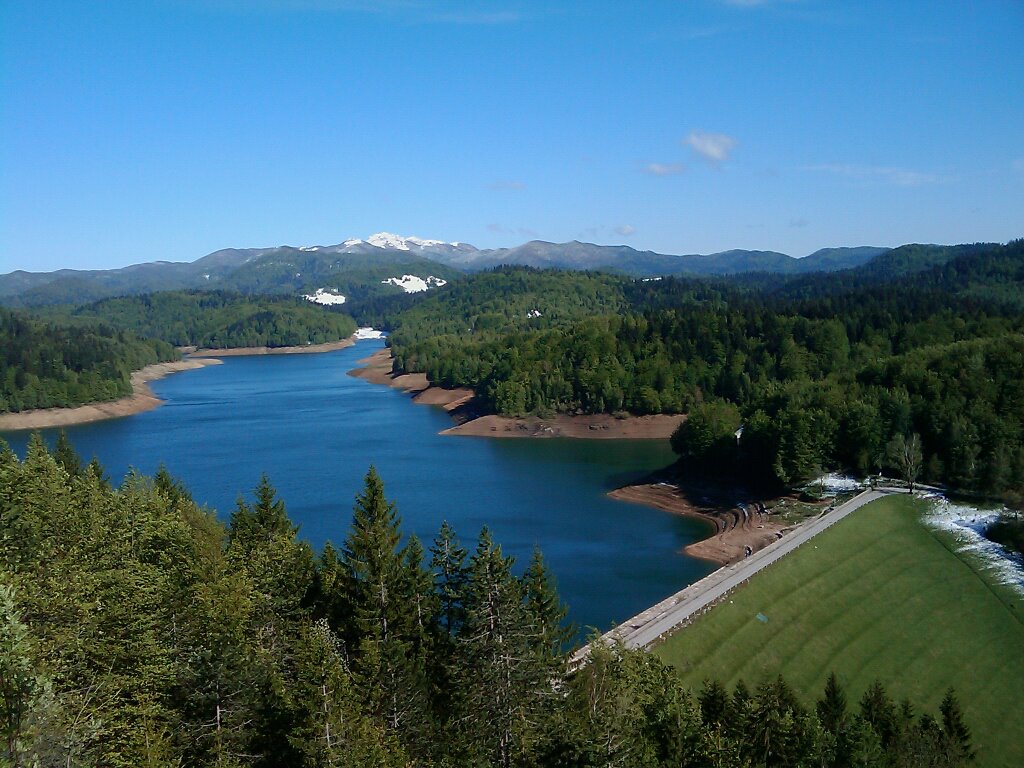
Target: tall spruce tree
448 561
499 674
958 735
551 633
391 675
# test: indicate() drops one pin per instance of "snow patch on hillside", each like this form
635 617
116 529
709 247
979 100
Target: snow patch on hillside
368 333
967 524
414 284
325 296
832 483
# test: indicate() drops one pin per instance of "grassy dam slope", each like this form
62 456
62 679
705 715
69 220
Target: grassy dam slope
878 596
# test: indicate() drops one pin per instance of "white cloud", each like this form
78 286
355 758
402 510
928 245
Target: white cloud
713 147
900 177
625 230
664 169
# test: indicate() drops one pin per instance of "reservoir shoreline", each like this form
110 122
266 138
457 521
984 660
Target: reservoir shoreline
376 369
314 430
731 529
141 400
306 349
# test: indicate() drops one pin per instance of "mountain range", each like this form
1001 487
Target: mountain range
360 268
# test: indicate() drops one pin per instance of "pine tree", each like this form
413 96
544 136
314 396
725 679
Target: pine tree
714 703
331 730
390 674
499 675
448 562
958 735
551 634
739 709
25 694
450 577
66 456
831 707
878 711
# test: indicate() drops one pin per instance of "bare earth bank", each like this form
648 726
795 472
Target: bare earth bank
330 346
732 527
142 399
377 370
735 526
590 427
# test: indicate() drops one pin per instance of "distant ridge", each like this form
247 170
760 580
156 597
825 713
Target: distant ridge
363 266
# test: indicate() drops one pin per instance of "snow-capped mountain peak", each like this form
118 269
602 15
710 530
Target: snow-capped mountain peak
399 243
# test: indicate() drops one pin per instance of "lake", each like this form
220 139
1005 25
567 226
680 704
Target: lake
315 430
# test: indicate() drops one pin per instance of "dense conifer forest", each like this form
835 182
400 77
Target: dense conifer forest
924 347
45 365
221 319
138 630
76 355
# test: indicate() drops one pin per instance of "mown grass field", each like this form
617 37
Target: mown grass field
878 596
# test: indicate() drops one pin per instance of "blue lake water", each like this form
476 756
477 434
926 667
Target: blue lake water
315 430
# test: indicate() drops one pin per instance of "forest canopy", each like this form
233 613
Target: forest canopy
221 319
46 365
824 371
138 629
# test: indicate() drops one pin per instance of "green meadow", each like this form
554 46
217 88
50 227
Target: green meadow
877 597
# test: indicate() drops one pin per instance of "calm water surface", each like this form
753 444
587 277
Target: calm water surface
315 430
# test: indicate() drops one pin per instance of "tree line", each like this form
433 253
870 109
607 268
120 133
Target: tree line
221 319
138 630
47 365
821 372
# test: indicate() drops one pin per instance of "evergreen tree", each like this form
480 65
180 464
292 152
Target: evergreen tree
498 675
714 703
831 707
331 730
66 456
25 694
958 735
390 674
878 711
448 562
551 634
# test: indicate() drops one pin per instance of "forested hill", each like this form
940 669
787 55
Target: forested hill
45 365
219 319
823 373
139 630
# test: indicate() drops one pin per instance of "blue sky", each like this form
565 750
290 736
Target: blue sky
166 129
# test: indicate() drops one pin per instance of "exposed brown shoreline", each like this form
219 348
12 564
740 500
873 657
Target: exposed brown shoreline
731 528
734 528
599 426
306 349
142 399
377 370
